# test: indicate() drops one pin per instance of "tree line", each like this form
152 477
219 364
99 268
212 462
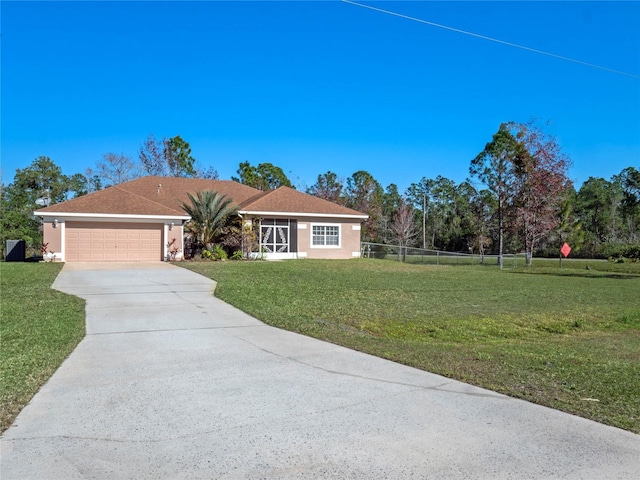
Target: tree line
517 198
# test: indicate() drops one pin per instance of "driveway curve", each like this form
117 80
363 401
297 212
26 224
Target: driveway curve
171 382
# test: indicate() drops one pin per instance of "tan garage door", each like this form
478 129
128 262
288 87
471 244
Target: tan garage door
112 242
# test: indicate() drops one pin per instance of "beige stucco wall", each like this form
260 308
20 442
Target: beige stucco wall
52 236
349 238
176 232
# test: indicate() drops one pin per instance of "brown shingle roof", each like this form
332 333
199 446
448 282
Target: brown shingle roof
165 195
172 191
112 200
289 200
149 196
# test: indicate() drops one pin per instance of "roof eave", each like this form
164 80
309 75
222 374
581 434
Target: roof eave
300 214
110 215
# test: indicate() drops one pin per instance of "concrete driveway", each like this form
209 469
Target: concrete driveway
172 383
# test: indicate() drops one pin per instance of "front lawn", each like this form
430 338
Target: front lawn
39 328
568 339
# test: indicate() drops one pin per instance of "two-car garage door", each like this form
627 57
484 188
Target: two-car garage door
112 242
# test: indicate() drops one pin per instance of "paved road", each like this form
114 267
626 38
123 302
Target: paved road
173 383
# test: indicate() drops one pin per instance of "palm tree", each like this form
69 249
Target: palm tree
209 213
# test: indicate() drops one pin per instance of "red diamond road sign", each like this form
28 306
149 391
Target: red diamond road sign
565 250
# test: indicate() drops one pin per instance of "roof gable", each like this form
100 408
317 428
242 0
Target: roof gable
291 201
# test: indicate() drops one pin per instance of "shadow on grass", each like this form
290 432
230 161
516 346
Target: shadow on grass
579 273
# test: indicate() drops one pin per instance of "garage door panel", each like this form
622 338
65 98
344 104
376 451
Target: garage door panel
104 242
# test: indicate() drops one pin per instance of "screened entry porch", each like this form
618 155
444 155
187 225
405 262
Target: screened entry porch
278 238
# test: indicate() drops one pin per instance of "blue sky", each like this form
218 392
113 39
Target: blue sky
318 86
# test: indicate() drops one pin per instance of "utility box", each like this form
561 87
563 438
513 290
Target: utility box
15 250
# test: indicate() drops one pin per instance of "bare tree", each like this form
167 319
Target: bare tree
404 227
114 169
209 172
152 156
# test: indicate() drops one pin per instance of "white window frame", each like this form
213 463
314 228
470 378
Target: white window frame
325 225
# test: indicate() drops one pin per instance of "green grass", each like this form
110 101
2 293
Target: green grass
518 261
39 327
568 339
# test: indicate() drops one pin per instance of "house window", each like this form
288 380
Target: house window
325 236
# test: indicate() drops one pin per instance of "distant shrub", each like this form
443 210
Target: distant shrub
632 252
620 252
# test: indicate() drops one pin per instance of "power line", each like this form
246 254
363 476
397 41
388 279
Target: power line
483 37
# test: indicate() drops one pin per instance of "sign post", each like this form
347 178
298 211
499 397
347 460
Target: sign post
565 250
